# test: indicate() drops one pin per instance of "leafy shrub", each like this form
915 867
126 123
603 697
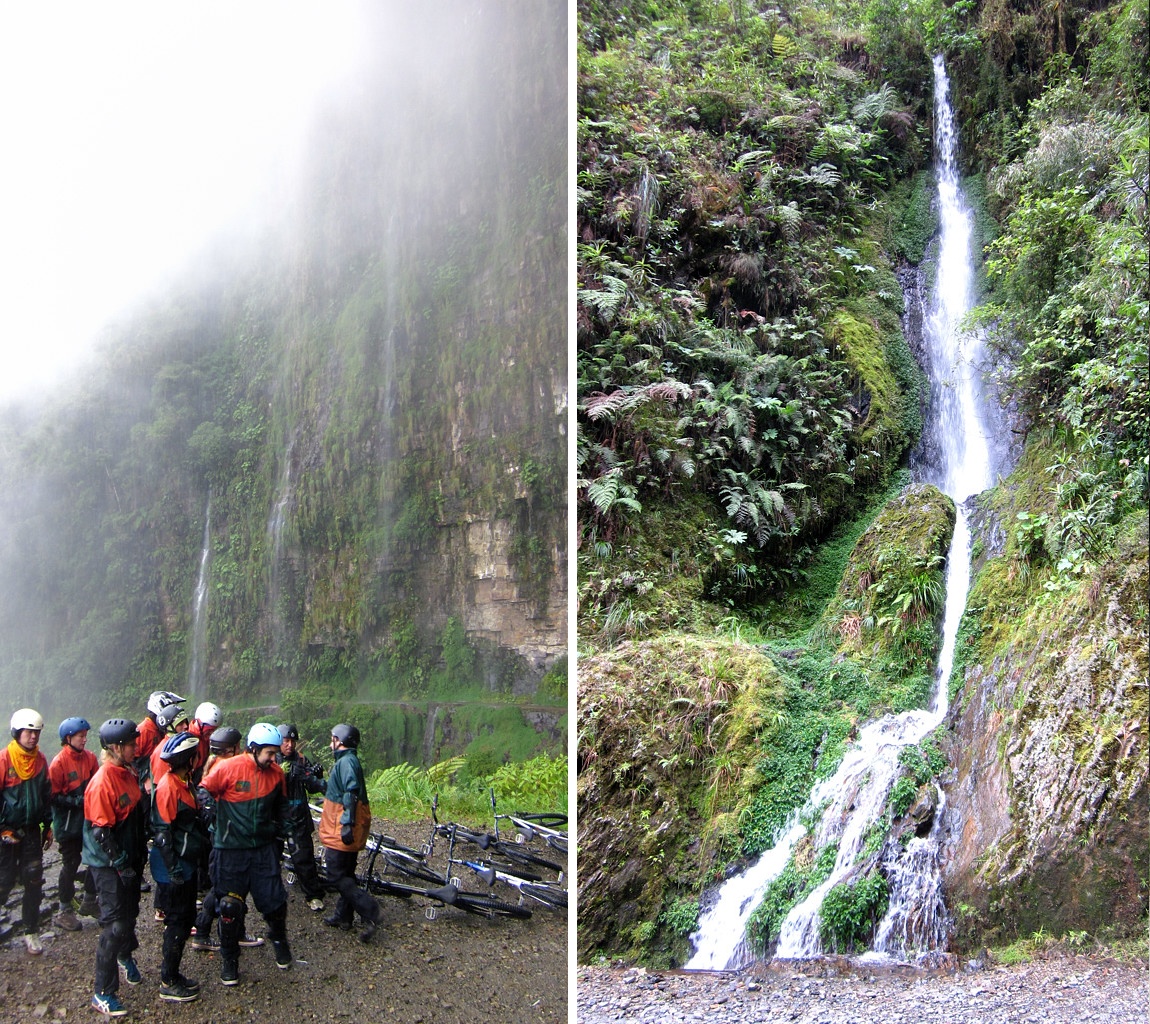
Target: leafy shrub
851 911
786 892
902 795
681 916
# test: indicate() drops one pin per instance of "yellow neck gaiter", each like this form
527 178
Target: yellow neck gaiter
23 761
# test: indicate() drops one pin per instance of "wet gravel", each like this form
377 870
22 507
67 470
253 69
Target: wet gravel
1061 990
456 969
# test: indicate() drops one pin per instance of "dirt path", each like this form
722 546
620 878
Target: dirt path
1063 990
456 969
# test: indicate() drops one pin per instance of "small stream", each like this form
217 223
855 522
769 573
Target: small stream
855 795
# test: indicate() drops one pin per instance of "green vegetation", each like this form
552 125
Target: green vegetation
851 911
404 792
749 181
805 871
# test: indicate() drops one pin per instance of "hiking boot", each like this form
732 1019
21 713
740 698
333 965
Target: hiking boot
108 1005
68 921
369 931
335 921
129 970
34 945
252 940
283 954
230 972
89 907
315 904
187 982
174 992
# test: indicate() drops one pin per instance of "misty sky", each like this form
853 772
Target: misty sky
132 132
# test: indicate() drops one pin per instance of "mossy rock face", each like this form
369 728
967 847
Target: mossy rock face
667 746
894 583
1047 810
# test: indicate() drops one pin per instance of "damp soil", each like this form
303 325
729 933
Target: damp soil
456 968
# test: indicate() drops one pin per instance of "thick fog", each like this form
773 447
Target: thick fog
188 189
133 133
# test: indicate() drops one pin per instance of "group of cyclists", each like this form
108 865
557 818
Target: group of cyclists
207 812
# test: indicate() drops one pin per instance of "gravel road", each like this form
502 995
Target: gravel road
1061 990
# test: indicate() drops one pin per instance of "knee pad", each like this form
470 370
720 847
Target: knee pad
32 875
118 931
231 910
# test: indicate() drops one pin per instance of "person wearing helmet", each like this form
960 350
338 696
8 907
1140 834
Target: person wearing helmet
180 836
343 828
303 778
251 796
25 820
174 719
151 732
224 744
115 845
204 722
69 773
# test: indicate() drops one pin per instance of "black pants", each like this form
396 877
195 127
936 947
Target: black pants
23 862
340 866
180 913
304 865
70 849
119 907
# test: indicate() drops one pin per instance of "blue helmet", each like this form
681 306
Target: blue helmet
179 750
71 726
263 734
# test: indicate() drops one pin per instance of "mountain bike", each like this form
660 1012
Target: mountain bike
551 896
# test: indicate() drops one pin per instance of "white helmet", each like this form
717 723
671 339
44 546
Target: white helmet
26 718
160 699
209 714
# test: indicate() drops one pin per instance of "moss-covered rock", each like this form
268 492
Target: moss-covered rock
893 590
1046 812
667 742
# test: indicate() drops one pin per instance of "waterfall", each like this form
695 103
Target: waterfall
855 795
275 531
200 612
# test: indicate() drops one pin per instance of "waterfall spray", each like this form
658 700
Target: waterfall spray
856 794
198 668
275 530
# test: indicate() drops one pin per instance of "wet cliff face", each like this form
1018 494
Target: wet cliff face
1046 814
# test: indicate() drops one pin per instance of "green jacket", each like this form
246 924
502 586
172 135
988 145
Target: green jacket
24 802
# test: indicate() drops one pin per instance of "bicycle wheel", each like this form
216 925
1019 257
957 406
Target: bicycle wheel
520 856
486 906
556 899
385 887
411 867
547 820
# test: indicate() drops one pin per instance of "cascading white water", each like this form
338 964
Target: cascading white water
197 667
276 522
856 793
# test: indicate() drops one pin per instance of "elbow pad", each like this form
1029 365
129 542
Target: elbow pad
107 842
163 845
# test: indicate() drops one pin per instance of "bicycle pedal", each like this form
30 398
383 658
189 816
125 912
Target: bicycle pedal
431 913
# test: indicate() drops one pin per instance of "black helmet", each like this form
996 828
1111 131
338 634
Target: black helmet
228 736
167 715
348 735
289 732
117 730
